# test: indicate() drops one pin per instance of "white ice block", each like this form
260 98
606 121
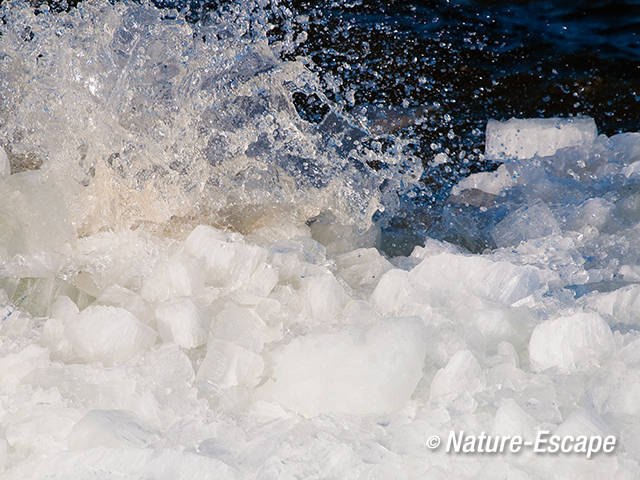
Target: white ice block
525 138
110 335
454 385
358 371
5 166
109 428
181 322
570 342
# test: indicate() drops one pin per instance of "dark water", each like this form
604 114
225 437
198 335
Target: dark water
468 61
432 72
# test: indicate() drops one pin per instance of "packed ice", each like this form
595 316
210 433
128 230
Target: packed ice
260 338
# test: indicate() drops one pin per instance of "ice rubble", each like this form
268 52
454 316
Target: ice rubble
278 354
262 356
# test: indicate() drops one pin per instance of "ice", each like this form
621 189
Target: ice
532 221
33 214
244 326
455 385
621 306
498 281
118 296
5 166
181 321
3 454
109 335
128 463
583 422
512 420
359 371
339 238
524 138
575 341
17 365
392 291
592 212
324 297
191 287
54 334
43 428
176 277
489 182
362 268
228 364
228 261
111 429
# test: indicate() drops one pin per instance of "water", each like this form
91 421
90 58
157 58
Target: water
465 62
423 78
209 131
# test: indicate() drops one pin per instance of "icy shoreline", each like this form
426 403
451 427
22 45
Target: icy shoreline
129 355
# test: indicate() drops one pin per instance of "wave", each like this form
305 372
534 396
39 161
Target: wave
142 118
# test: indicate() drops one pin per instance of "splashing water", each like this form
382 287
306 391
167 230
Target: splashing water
142 118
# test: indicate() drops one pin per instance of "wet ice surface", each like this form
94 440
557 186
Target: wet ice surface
128 355
296 349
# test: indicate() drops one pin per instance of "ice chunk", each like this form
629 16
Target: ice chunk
528 222
433 247
324 297
227 364
364 370
177 277
16 366
244 326
40 425
118 258
570 342
392 291
5 166
525 138
118 296
622 305
181 322
455 385
488 182
53 333
3 454
594 212
583 422
229 261
624 398
339 238
512 420
109 428
362 268
108 334
33 214
499 281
